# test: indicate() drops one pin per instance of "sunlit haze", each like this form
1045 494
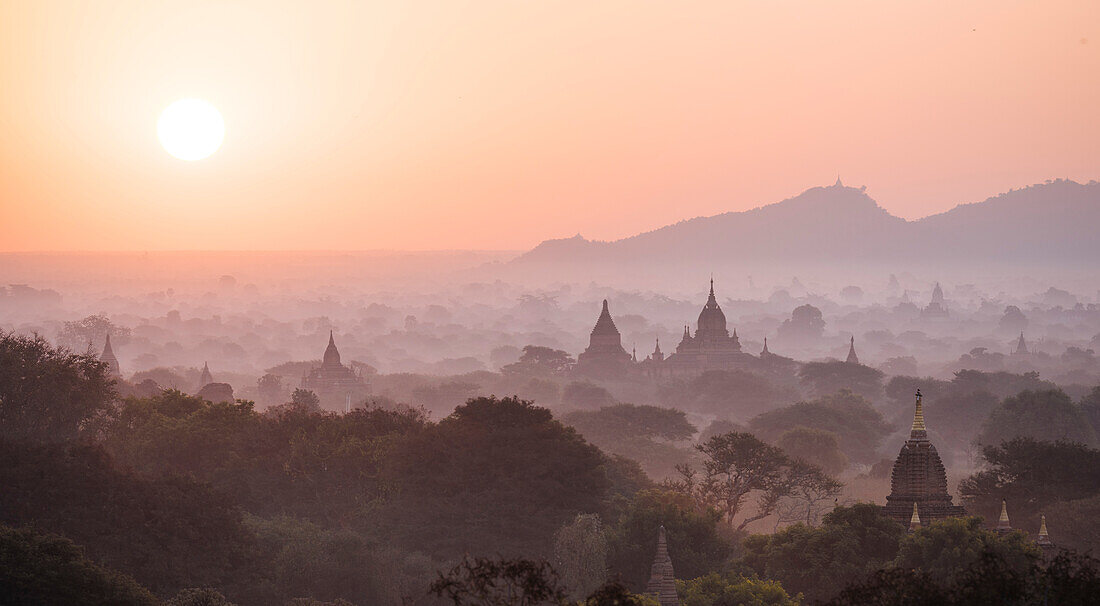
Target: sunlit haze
496 125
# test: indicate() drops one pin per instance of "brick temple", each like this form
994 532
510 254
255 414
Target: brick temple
919 479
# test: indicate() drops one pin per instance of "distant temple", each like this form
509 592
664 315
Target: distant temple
1021 346
205 378
852 357
1003 525
918 484
936 307
662 579
335 384
605 355
108 356
711 348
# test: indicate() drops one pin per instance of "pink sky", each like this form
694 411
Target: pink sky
495 125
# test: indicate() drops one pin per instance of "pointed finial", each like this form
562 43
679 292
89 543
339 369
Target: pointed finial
914 520
1044 538
712 284
918 431
838 183
605 305
1002 522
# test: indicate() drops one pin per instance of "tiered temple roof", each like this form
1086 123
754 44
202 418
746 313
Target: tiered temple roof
919 478
662 579
605 354
108 356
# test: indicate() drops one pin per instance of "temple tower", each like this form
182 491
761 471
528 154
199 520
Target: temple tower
914 520
1003 525
662 579
108 356
1021 346
605 354
852 357
205 378
919 478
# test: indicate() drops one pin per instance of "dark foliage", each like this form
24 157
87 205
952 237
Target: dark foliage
49 570
485 582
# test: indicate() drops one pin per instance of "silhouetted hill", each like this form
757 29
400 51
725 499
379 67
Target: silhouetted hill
1049 223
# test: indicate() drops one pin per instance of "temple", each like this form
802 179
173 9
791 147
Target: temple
605 355
919 481
1003 525
334 383
852 357
1021 346
712 347
936 307
205 378
662 579
108 357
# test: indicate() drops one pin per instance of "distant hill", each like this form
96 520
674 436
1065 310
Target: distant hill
1055 222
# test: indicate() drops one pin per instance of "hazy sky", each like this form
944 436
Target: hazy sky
495 125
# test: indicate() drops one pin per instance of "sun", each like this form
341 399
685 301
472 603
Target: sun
191 129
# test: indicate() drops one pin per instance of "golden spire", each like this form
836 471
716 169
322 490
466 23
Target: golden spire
919 431
1002 522
1044 536
914 521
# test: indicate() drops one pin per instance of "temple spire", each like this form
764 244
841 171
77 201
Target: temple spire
662 579
1043 540
108 356
765 351
1021 345
852 357
918 431
205 378
332 355
914 520
1003 525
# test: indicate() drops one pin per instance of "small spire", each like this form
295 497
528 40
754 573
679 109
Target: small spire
914 520
918 431
1044 537
1002 522
1021 345
765 351
838 182
852 357
633 352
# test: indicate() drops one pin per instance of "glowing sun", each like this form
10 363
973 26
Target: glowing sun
191 129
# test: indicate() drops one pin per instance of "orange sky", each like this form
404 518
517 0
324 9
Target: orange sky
495 125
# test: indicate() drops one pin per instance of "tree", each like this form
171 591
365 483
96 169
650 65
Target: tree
1032 476
736 466
271 389
809 494
501 474
50 570
804 325
49 394
616 594
586 395
851 543
485 582
1044 415
91 331
694 543
729 393
646 434
580 554
858 426
817 445
723 590
824 378
945 548
305 399
540 362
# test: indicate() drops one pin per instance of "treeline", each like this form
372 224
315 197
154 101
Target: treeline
174 499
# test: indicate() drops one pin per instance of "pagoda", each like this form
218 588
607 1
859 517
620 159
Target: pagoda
712 347
662 579
108 357
335 384
919 480
605 354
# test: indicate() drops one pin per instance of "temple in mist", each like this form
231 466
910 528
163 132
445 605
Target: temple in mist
662 579
712 347
936 308
108 357
335 384
918 484
605 355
